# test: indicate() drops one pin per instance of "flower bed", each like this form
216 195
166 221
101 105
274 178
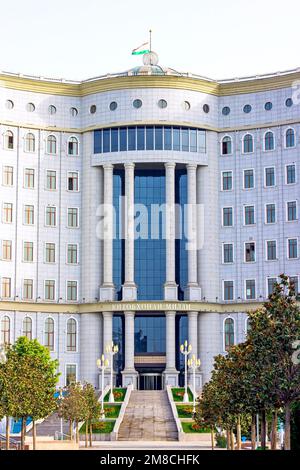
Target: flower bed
119 394
184 411
100 427
111 411
191 427
178 394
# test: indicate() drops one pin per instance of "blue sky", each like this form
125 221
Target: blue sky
78 39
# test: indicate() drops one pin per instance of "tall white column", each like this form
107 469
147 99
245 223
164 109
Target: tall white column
193 340
107 290
193 291
129 373
170 373
170 287
129 288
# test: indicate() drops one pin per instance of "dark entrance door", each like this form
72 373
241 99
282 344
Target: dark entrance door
150 381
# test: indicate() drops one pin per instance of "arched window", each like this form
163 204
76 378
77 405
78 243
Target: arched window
228 333
269 141
51 144
5 330
290 138
49 333
73 146
226 145
9 140
27 327
30 142
71 334
248 143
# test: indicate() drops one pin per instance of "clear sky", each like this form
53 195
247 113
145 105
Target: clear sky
77 39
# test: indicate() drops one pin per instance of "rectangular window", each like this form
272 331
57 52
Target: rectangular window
228 290
51 216
7 212
249 252
28 252
291 211
270 214
106 140
158 138
228 253
72 217
227 216
50 253
6 287
290 174
185 139
71 374
167 138
72 290
123 140
250 289
271 284
73 181
8 176
131 138
248 179
271 250
201 138
176 138
72 254
140 138
270 176
28 289
193 140
6 250
29 178
28 215
227 180
249 215
149 138
114 140
51 180
49 290
292 248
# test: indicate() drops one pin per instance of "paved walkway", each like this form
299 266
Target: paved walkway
149 445
148 417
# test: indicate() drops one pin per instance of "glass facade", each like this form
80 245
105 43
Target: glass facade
181 336
119 339
118 243
150 334
122 139
181 259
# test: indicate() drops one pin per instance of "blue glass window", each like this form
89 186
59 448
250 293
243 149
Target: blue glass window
150 334
167 138
123 139
119 339
193 140
114 140
106 140
131 138
118 242
98 142
181 336
158 138
181 260
176 138
140 138
185 140
201 141
149 138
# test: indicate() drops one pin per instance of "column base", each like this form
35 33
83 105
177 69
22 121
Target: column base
107 293
129 376
129 292
170 292
192 293
170 377
198 381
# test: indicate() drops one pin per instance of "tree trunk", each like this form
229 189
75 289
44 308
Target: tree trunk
263 429
77 432
33 435
71 429
212 438
23 423
86 433
7 432
91 434
228 439
231 440
253 432
238 434
274 431
287 429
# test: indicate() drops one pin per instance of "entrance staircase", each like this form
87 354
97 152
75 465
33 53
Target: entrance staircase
148 417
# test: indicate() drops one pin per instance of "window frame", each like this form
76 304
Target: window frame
264 141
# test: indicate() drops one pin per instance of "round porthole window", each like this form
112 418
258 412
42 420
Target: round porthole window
186 105
226 111
74 112
30 107
268 106
289 102
137 103
206 108
162 104
9 104
113 105
52 109
247 108
93 109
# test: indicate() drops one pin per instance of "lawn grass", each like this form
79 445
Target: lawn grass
185 411
179 398
100 427
119 395
187 427
112 411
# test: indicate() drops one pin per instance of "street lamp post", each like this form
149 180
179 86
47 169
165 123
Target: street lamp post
61 397
112 349
185 349
193 364
102 364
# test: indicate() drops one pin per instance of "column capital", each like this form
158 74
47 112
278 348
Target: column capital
129 313
192 314
107 314
170 313
170 165
107 166
129 165
191 166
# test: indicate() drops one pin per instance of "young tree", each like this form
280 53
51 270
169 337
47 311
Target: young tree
93 410
73 407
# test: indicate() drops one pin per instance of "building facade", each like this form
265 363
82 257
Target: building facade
140 144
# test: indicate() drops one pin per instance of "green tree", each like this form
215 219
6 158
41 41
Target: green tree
93 410
73 407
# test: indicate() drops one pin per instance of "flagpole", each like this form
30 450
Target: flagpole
150 41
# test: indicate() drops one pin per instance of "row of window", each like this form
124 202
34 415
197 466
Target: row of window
250 287
247 108
250 251
27 331
72 255
50 215
50 180
270 214
49 289
248 177
248 142
122 139
51 143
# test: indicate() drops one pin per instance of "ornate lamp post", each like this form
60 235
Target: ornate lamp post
102 364
112 349
193 364
185 349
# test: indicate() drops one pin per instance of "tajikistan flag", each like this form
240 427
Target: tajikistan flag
143 49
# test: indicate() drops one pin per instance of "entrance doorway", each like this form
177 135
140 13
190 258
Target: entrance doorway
150 381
